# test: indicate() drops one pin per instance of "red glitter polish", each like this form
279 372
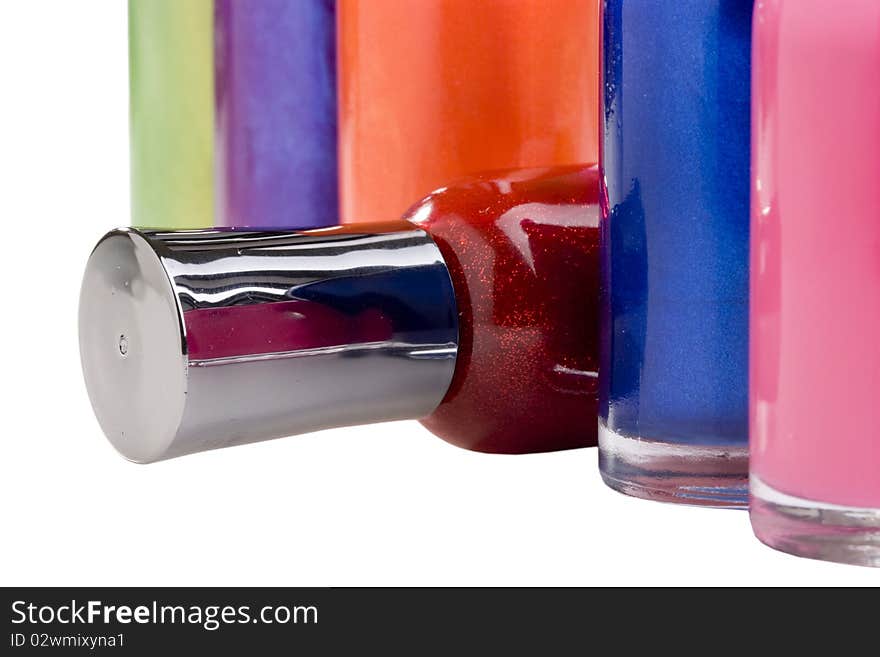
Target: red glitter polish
522 250
477 316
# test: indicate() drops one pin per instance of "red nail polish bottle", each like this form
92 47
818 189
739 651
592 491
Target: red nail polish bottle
478 316
522 250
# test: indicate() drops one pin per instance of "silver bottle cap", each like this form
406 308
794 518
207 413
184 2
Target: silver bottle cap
195 340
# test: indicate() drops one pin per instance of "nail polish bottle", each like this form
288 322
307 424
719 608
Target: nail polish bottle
276 113
233 113
434 90
522 250
171 113
675 238
471 316
815 286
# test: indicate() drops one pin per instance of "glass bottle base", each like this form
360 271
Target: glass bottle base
701 475
815 530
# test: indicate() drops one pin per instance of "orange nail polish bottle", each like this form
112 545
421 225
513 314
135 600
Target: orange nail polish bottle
434 90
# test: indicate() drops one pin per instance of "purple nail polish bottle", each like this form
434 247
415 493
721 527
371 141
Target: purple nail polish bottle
275 93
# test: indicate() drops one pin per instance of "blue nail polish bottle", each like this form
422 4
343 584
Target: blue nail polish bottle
675 233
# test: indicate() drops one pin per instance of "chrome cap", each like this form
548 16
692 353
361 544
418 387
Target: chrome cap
195 340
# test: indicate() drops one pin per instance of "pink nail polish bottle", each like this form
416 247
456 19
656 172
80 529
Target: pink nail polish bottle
815 279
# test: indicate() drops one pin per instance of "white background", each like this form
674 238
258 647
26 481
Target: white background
378 505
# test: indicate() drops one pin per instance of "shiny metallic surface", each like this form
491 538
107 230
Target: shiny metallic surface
195 340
